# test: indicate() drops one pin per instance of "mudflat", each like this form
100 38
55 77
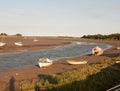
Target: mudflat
58 67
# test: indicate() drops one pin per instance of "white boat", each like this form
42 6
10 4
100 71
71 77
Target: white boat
44 62
97 51
35 40
76 62
117 61
18 43
78 43
118 48
2 44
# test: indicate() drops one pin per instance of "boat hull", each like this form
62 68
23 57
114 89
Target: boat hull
18 44
2 44
44 64
76 62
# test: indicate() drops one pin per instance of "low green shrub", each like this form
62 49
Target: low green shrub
96 77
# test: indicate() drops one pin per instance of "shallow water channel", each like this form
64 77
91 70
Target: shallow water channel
17 60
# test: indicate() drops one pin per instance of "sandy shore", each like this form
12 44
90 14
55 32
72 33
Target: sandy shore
34 72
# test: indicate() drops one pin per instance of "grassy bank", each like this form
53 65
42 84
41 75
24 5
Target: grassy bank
95 77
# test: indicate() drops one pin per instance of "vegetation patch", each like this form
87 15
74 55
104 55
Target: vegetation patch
115 36
96 77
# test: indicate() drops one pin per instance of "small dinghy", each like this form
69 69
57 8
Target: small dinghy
78 43
35 40
97 51
118 48
2 44
44 62
18 43
76 62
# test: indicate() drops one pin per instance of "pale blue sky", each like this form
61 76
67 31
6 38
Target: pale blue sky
60 17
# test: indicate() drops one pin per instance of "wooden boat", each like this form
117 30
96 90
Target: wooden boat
97 51
76 62
18 43
44 62
2 44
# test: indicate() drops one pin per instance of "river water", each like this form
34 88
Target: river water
17 60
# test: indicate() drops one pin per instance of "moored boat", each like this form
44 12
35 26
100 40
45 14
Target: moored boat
35 40
78 43
2 44
44 62
18 43
97 51
76 62
118 48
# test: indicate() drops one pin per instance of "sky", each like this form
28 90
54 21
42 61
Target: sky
59 17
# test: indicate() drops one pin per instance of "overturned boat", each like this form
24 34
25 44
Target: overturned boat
97 51
44 62
76 62
18 43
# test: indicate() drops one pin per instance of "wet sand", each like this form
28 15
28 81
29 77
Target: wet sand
61 66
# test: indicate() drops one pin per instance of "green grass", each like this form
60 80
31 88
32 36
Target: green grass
96 77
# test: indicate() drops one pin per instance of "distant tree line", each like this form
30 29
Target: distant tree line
115 36
18 34
5 34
